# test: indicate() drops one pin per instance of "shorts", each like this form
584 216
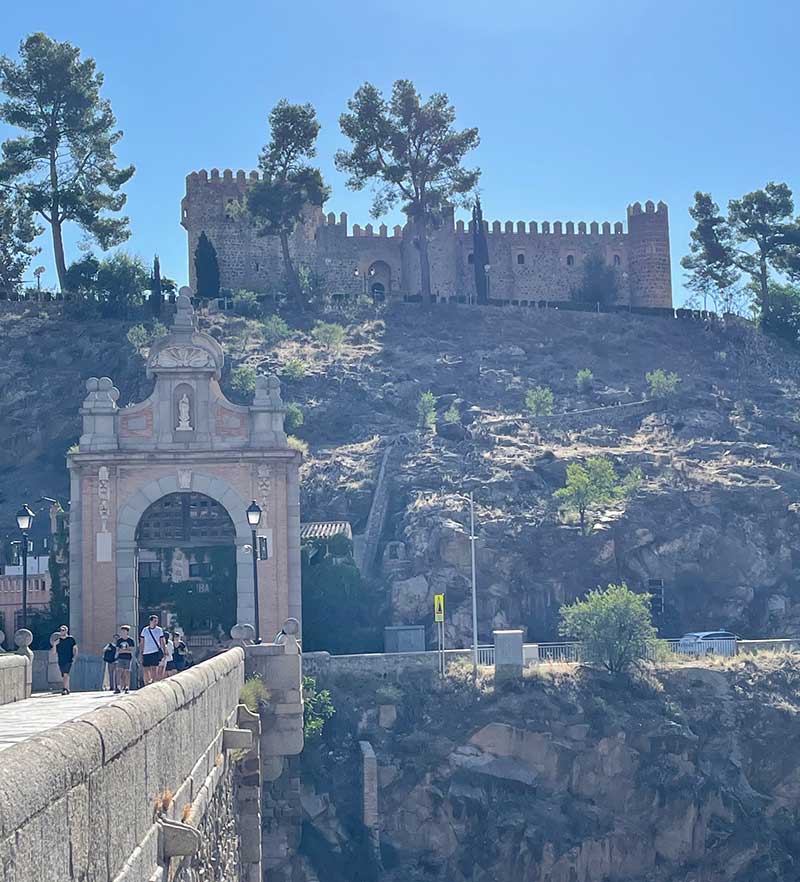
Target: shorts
65 666
171 666
124 664
151 659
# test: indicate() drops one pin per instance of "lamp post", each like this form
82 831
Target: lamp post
474 589
24 521
486 268
254 519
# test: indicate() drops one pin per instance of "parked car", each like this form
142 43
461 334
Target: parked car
708 643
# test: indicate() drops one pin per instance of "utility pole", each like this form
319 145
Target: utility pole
474 589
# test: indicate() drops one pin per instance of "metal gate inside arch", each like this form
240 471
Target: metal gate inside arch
159 493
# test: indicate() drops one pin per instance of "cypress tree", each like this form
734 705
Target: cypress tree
206 268
156 294
480 253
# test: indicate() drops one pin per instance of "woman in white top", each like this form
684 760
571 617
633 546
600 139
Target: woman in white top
167 666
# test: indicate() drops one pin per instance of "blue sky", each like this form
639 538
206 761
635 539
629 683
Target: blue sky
582 107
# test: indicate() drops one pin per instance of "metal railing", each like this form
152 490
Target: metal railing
486 655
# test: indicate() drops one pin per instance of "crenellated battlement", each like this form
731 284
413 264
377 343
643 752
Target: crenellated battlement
528 260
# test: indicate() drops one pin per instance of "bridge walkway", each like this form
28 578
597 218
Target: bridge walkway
33 716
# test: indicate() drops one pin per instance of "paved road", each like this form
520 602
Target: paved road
22 719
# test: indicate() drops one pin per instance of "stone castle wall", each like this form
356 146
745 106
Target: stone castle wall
529 261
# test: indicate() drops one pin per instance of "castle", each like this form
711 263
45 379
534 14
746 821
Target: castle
528 263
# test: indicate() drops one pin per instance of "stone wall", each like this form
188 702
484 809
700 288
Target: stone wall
102 797
14 677
383 664
529 261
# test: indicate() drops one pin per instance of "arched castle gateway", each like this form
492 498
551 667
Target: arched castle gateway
159 490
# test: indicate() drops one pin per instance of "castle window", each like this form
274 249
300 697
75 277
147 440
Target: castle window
520 259
470 258
256 266
570 260
617 261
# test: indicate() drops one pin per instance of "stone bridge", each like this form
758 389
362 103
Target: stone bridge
167 783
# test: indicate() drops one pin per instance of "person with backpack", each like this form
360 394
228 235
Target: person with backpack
180 656
110 660
152 648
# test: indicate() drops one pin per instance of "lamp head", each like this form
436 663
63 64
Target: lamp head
254 514
25 518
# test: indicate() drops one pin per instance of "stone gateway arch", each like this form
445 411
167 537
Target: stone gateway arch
186 438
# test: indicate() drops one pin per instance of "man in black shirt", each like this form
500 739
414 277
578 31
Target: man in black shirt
125 647
66 650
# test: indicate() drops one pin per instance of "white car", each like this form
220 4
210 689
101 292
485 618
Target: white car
708 643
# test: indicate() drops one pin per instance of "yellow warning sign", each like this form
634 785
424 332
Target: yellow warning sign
438 607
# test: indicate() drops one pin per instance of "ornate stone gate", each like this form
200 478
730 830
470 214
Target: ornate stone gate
185 438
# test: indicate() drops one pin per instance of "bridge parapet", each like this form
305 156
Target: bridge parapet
105 797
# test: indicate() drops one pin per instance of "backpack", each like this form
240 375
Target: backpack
109 653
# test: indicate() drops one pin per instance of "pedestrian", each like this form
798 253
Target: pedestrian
110 659
180 655
151 647
125 646
66 650
168 662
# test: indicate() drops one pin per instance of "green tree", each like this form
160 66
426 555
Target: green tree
452 414
246 303
317 708
274 329
243 379
206 268
121 282
412 154
759 236
289 185
539 401
426 410
81 276
138 337
782 317
293 418
294 369
593 485
156 291
614 627
584 380
662 385
17 233
64 163
598 284
330 335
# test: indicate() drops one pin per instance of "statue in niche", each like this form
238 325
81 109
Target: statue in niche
179 569
184 415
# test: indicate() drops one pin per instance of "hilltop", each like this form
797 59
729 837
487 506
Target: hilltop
714 517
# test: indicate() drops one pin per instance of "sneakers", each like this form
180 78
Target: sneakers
117 691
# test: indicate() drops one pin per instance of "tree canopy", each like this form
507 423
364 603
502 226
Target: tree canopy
206 268
614 627
593 485
17 233
598 283
289 184
758 237
411 153
64 164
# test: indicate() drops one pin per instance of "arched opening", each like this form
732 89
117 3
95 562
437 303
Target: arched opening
617 260
520 259
570 260
186 568
379 279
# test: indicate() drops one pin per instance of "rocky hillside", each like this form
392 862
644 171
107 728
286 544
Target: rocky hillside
715 517
568 776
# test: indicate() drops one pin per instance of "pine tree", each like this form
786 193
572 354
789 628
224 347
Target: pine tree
206 268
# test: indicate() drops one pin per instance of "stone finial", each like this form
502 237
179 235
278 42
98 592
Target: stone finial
244 632
101 394
268 391
184 315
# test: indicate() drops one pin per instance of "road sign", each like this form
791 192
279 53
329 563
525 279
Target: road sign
438 607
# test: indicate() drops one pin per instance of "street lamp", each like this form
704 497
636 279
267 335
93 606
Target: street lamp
486 268
254 519
472 538
25 521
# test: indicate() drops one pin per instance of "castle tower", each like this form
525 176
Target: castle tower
650 278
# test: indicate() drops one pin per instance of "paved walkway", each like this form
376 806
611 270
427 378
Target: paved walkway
22 719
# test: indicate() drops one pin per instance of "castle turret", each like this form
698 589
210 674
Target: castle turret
650 278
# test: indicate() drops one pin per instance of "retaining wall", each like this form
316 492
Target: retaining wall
14 677
80 802
382 664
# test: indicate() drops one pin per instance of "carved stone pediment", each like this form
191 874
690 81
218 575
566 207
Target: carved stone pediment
183 357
